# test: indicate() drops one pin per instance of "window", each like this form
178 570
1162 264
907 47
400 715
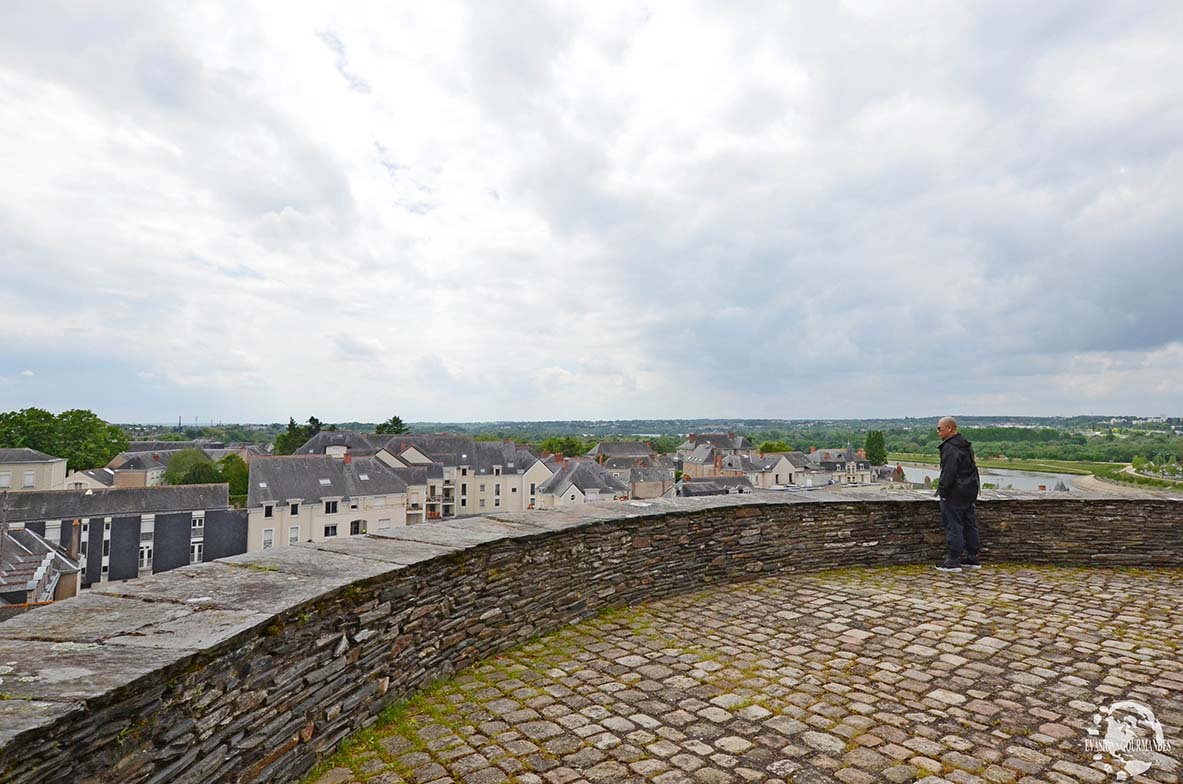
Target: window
5 479
463 488
106 547
463 472
464 502
28 479
482 503
294 534
573 496
268 510
357 527
383 524
197 527
294 510
53 531
331 530
496 502
379 502
82 550
513 489
532 486
497 489
105 569
496 470
326 482
263 485
145 556
482 488
196 552
268 538
331 508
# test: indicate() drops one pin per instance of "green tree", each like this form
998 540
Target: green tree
393 425
34 428
180 467
565 445
775 446
202 474
234 472
85 440
876 447
293 438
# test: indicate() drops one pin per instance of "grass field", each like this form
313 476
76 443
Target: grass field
1045 466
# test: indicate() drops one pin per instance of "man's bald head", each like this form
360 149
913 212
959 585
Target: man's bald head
946 426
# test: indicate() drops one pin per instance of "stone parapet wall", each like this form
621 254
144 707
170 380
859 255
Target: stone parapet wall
251 668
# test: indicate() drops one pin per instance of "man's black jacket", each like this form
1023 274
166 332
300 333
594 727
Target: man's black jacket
959 480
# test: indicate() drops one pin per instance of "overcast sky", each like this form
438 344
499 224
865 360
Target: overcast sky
516 210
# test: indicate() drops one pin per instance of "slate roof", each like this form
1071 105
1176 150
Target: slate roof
356 443
702 454
145 461
716 485
480 456
25 455
759 463
717 440
310 478
585 475
611 449
32 505
101 475
156 446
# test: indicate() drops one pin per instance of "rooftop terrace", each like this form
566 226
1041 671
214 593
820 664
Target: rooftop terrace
254 668
860 675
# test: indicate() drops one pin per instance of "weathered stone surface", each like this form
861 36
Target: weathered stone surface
751 660
252 671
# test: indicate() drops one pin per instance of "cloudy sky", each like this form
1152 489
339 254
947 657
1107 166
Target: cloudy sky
517 210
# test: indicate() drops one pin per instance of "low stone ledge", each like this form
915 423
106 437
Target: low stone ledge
251 668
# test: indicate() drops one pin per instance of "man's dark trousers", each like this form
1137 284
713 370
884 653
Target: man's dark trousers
961 531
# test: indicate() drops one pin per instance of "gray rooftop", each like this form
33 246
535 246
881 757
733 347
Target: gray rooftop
25 455
32 505
612 449
310 478
585 475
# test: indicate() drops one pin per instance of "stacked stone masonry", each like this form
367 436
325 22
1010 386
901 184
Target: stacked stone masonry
252 668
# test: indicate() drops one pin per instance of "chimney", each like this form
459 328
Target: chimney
346 458
825 455
731 436
718 463
566 463
862 453
75 545
692 437
812 449
559 457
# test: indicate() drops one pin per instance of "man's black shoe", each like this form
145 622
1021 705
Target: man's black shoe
971 563
949 566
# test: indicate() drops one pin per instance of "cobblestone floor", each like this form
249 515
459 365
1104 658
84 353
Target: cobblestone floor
854 676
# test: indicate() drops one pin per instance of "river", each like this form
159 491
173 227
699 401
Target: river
1000 477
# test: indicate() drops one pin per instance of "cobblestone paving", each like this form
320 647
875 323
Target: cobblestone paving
854 676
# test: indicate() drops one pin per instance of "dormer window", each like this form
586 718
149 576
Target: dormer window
496 470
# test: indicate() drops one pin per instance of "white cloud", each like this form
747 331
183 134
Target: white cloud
608 210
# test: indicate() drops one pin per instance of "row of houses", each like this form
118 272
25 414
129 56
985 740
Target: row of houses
715 455
142 465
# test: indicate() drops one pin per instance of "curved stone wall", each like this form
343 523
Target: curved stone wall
252 668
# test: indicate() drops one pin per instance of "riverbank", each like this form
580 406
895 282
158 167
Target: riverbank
1079 467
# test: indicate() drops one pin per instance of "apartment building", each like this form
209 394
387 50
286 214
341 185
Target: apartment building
468 477
315 498
128 532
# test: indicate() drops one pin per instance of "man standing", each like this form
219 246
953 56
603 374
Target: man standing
958 488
